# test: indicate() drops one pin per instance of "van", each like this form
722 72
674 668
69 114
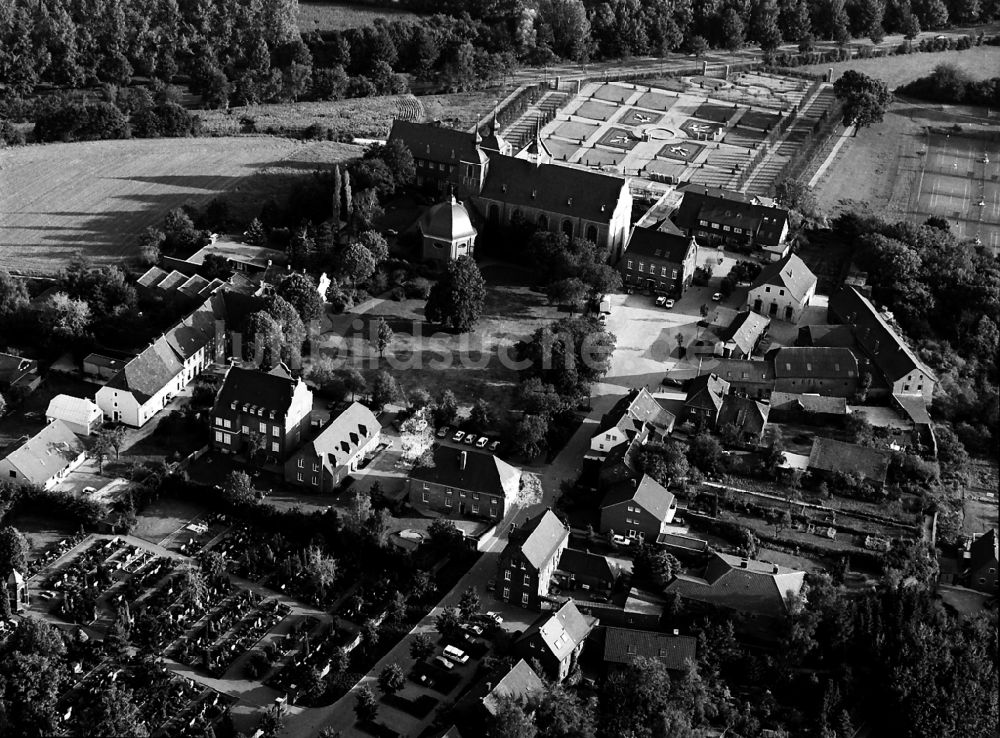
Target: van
456 655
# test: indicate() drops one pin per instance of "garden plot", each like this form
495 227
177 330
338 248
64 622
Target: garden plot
656 101
575 130
715 112
701 130
726 158
561 150
601 158
683 151
636 117
596 110
758 119
711 177
746 137
618 138
613 93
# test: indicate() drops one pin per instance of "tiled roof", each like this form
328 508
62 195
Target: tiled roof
553 188
815 362
825 335
561 631
741 584
623 646
152 277
622 462
745 330
809 403
350 430
585 564
539 538
880 341
520 682
149 372
649 494
746 413
651 243
915 408
46 453
744 370
791 273
265 390
193 286
734 209
172 281
193 333
635 410
71 409
436 143
830 456
483 471
707 389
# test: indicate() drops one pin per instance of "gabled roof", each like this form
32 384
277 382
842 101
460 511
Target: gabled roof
815 362
915 408
649 494
149 372
561 631
46 453
521 682
622 462
269 391
746 413
984 550
435 142
744 370
172 281
791 273
809 403
734 209
193 286
745 330
553 188
351 429
78 410
483 471
830 456
825 335
741 584
585 564
539 538
651 243
152 277
192 333
707 390
635 410
623 646
881 342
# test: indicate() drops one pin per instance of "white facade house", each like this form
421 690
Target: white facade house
45 459
783 290
81 415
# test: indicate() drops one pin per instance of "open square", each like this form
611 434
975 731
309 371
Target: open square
596 110
656 101
684 151
613 93
575 130
619 138
715 112
634 117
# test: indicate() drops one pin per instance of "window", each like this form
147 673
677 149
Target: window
781 293
767 289
527 580
302 463
663 271
276 447
715 226
263 427
475 509
423 496
227 423
226 438
274 431
725 228
906 387
246 430
13 474
524 599
506 593
299 476
468 171
737 230
218 436
642 266
447 502
631 534
315 481
673 274
218 420
703 222
506 575
426 487
475 495
628 264
448 491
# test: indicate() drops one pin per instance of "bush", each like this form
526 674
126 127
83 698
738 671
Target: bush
165 120
417 288
9 135
74 121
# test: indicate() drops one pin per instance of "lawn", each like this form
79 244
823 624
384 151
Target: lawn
163 517
979 62
320 16
94 198
41 530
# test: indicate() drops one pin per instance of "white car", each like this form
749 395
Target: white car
473 628
443 431
717 296
621 540
661 301
455 655
495 617
668 304
481 443
470 439
443 663
459 435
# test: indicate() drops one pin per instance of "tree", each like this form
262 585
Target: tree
448 622
732 29
511 720
531 434
385 390
13 294
469 604
698 46
100 449
266 339
271 721
416 436
300 291
113 712
193 587
559 712
64 319
705 452
865 99
446 410
115 438
445 538
764 26
567 22
391 679
570 291
238 489
382 336
456 301
655 565
13 551
255 234
367 208
481 416
666 463
359 508
366 704
214 565
320 568
376 244
421 647
151 242
633 699
357 263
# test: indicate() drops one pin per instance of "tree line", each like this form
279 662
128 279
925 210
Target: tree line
949 84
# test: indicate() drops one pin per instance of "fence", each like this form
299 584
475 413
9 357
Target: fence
824 128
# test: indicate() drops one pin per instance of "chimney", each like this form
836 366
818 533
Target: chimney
676 632
774 569
461 459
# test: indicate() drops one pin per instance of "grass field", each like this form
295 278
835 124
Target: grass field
94 198
320 16
163 517
41 530
979 62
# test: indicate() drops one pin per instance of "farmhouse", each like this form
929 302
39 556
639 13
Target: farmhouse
638 509
622 646
324 462
704 399
829 457
658 261
261 412
719 217
80 415
783 289
102 366
745 416
832 372
45 459
588 571
753 378
465 483
556 640
795 407
529 559
880 343
484 700
733 335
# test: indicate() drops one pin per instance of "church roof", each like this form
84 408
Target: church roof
448 221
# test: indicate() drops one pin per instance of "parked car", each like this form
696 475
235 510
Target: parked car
470 439
443 431
495 617
717 296
427 680
494 446
668 303
459 435
481 443
602 319
621 540
455 655
444 663
661 301
472 628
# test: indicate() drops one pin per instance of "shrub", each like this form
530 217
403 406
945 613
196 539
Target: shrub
72 121
9 135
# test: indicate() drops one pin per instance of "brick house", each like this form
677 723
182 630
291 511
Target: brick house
587 571
444 158
704 399
324 462
747 416
622 646
638 509
556 640
272 405
464 483
782 290
719 217
831 372
659 261
529 559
